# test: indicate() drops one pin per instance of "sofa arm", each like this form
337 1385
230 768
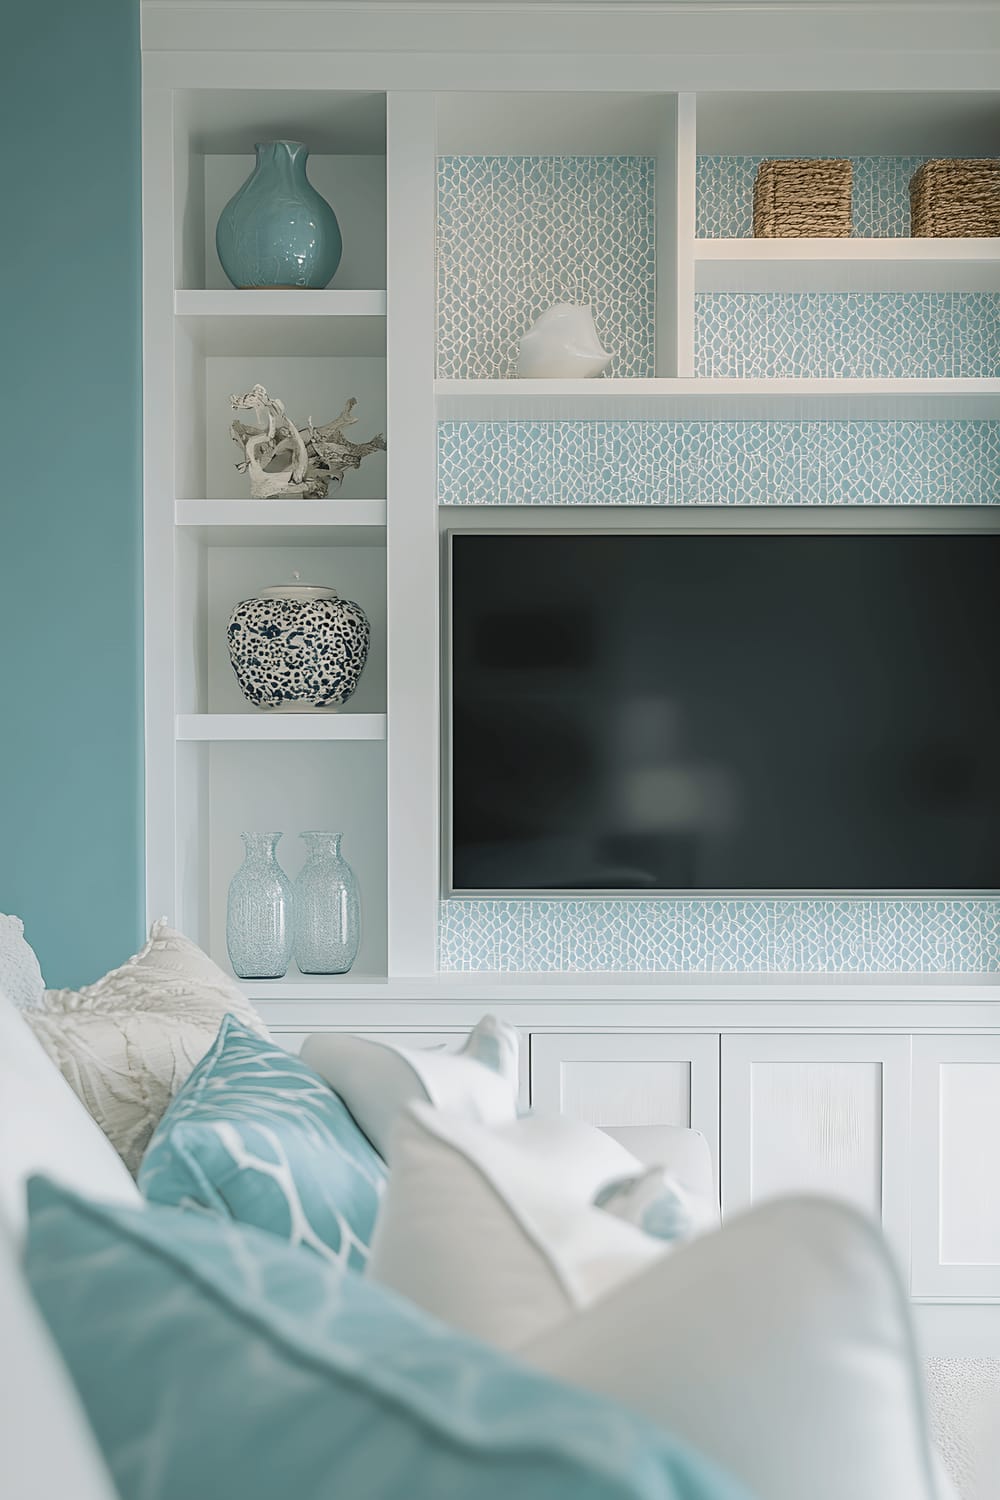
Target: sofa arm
681 1151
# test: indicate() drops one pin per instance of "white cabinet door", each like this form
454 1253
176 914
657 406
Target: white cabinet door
818 1114
449 1040
956 1166
627 1081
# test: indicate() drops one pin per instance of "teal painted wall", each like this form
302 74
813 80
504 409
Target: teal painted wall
70 503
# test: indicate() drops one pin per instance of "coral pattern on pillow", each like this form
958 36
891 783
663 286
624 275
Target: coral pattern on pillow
128 1042
257 1135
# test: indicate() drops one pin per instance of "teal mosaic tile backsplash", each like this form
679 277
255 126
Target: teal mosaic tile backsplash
869 335
517 233
719 463
720 937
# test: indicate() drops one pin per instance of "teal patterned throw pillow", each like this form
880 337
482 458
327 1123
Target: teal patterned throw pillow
257 1135
217 1361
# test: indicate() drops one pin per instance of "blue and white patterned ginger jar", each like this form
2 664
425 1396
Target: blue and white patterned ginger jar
298 647
278 231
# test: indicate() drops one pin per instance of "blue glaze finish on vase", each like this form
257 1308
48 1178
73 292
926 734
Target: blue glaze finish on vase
277 231
259 911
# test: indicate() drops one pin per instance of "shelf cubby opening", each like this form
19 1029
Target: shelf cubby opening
312 387
547 198
885 135
215 133
296 787
212 579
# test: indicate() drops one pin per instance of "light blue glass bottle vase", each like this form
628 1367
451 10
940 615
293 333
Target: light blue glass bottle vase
259 911
278 231
327 908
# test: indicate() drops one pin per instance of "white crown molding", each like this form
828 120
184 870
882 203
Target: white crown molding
614 9
961 38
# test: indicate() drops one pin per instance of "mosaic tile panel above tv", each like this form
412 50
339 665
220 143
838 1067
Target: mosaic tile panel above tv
880 195
719 463
517 233
866 335
808 936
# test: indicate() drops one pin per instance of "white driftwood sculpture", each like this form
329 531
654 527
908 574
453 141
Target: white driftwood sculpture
308 461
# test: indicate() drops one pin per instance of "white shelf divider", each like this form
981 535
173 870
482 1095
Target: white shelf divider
667 400
841 265
279 726
284 522
284 321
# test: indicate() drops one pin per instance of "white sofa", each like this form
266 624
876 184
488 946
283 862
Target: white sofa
855 1341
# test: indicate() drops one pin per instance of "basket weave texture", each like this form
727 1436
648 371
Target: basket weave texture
955 199
802 199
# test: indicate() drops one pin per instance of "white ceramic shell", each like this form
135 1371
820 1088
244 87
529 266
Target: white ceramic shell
562 344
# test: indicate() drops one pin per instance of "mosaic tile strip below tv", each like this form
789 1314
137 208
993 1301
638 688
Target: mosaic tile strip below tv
718 463
880 195
517 233
809 936
870 335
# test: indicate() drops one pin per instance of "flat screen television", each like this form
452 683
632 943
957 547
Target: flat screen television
724 713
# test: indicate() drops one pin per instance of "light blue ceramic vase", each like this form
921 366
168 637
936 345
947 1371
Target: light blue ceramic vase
277 231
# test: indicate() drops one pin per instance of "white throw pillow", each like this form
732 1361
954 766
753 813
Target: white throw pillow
48 1451
780 1346
377 1079
45 1128
492 1229
20 977
128 1042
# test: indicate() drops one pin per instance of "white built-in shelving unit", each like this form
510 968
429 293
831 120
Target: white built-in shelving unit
375 126
214 763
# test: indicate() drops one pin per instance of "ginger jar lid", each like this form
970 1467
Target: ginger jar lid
305 593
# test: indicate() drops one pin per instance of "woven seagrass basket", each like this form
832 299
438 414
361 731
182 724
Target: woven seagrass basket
955 199
802 199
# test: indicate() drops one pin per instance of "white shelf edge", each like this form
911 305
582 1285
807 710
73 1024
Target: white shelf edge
941 251
678 398
278 726
873 265
279 303
279 513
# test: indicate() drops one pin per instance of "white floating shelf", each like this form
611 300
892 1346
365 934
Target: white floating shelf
693 399
847 265
284 522
278 726
312 987
284 322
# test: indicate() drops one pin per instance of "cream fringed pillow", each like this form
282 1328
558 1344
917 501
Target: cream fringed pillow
128 1042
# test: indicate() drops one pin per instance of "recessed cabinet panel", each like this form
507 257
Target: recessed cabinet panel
956 1236
818 1114
627 1083
820 1123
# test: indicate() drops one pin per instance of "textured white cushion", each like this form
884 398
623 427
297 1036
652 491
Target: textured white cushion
47 1451
780 1346
128 1042
492 1229
20 977
45 1128
377 1079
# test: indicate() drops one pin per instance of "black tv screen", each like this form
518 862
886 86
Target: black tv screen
725 713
